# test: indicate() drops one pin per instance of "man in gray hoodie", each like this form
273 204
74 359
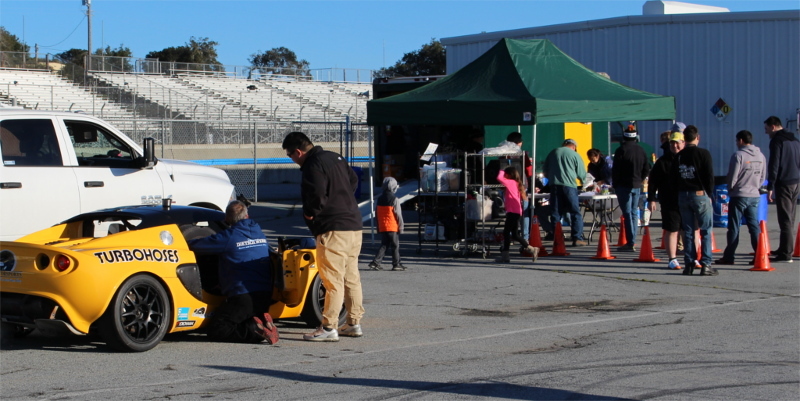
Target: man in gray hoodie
746 173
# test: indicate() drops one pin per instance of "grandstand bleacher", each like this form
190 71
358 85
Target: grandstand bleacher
46 91
123 96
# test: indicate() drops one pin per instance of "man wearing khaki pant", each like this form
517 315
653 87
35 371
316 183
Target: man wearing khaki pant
331 213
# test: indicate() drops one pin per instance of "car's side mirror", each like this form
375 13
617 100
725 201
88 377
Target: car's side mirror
149 159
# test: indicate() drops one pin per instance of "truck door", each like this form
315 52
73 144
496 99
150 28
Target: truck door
33 176
107 171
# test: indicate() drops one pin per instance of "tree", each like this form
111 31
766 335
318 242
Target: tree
71 56
429 60
73 64
116 60
279 60
10 43
196 51
17 51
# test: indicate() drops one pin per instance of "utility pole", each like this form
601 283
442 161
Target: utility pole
88 4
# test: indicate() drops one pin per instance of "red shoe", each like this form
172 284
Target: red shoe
266 329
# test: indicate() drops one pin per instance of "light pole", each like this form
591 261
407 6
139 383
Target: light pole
330 91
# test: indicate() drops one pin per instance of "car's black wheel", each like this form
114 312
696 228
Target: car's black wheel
315 303
138 316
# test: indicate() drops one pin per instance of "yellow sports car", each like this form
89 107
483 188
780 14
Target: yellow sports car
128 275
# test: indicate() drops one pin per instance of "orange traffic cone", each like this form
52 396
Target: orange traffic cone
796 253
663 235
646 254
763 225
602 245
714 248
622 232
559 248
761 260
535 238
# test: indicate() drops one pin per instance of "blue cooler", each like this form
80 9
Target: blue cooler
763 207
721 201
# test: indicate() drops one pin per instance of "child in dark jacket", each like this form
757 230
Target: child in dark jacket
390 225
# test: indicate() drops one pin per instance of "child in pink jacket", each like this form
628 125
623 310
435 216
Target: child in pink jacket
511 180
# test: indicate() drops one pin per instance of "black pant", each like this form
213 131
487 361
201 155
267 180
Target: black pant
389 239
786 201
233 320
511 230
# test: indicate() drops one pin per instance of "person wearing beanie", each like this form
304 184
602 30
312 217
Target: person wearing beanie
390 225
629 171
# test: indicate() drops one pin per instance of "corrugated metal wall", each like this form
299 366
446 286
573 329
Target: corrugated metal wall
750 60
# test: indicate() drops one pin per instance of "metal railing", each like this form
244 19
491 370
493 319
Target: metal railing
136 65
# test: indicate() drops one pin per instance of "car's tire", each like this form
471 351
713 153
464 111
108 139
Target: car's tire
315 302
138 317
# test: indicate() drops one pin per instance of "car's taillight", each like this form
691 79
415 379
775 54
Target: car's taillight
62 263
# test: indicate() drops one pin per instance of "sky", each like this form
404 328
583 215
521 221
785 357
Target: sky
367 34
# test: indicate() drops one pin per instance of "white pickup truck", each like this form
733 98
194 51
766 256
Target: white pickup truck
58 164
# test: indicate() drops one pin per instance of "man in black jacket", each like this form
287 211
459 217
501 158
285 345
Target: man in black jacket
629 170
331 213
783 176
694 171
661 186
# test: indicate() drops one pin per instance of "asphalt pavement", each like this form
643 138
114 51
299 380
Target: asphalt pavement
456 327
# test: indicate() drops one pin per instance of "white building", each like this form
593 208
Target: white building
749 60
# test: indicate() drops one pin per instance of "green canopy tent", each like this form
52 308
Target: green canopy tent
520 82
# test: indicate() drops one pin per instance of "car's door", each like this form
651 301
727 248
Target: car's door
106 168
37 189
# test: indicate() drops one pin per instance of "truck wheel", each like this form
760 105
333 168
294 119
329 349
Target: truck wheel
315 302
138 317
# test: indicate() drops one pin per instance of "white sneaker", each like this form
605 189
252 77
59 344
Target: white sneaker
322 335
674 264
351 330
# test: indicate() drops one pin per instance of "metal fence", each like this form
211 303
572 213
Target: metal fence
136 65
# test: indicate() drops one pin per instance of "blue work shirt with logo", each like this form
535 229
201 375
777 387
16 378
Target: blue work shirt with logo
244 264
